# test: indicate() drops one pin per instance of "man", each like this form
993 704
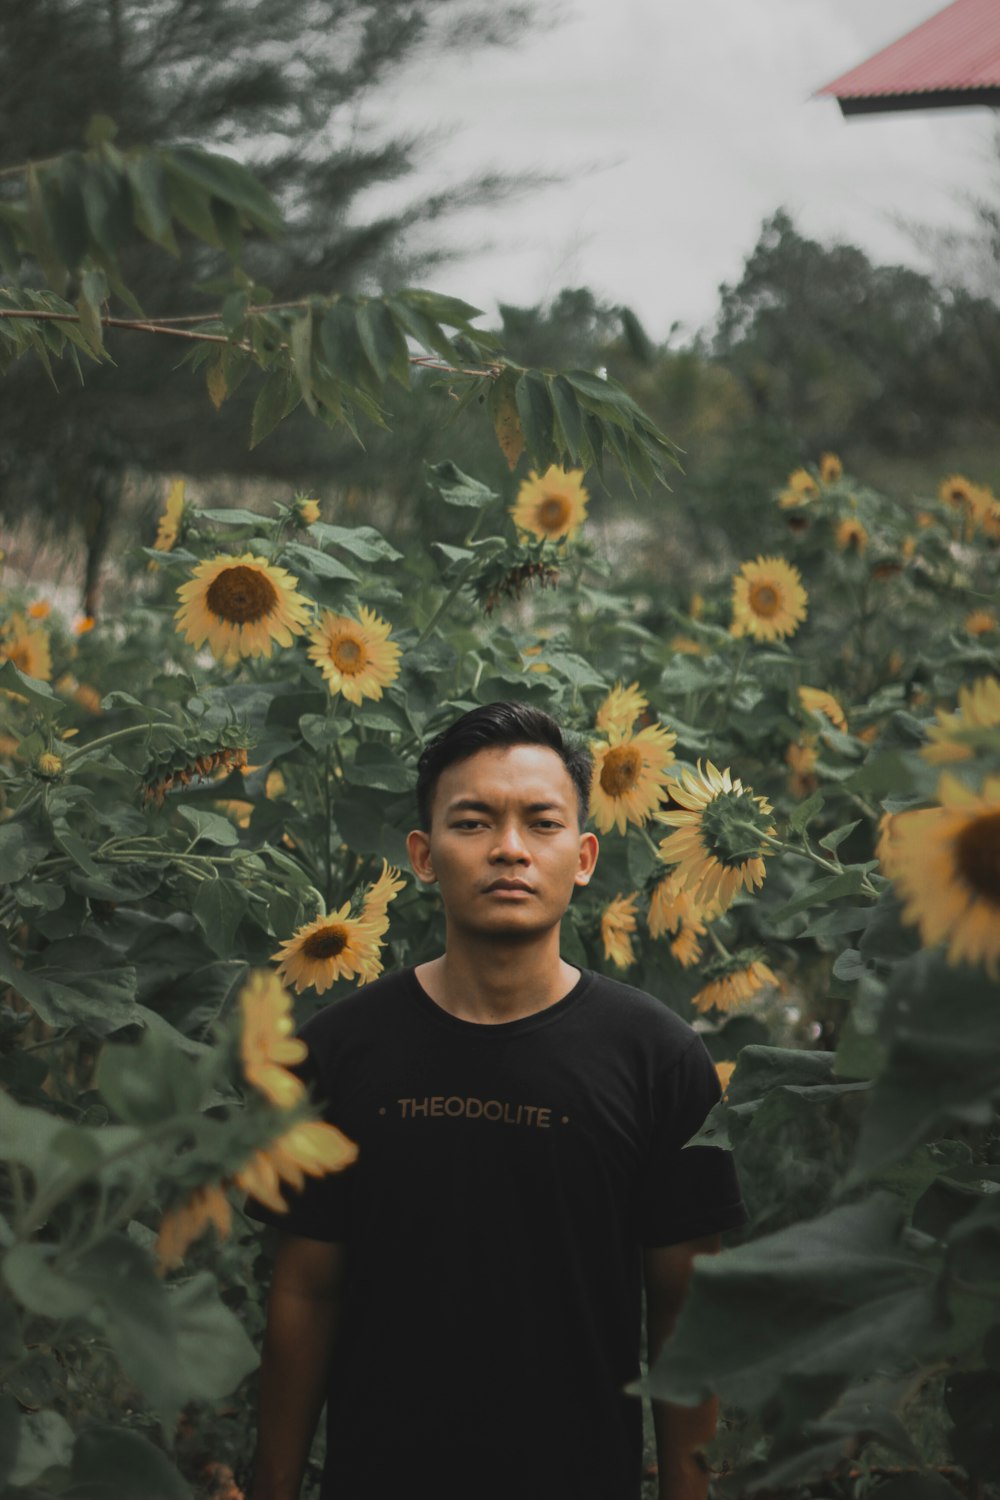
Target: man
467 1296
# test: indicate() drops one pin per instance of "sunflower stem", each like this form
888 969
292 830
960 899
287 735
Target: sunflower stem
726 700
107 739
447 601
653 849
717 943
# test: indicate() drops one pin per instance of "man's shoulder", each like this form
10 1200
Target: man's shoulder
619 1005
361 1013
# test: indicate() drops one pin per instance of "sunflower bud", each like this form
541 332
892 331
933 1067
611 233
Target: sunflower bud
49 767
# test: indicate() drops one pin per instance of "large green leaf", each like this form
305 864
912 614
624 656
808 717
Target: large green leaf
23 845
42 1440
83 983
148 1082
219 907
839 1295
213 1351
110 1463
941 1028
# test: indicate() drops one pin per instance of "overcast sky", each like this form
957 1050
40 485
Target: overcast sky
678 125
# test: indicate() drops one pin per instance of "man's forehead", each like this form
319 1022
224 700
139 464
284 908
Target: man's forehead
530 773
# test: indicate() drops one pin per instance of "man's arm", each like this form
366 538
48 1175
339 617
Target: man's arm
302 1315
681 1431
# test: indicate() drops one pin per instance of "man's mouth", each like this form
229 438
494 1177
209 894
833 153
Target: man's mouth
510 885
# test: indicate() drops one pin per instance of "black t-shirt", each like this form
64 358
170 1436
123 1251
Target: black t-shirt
508 1176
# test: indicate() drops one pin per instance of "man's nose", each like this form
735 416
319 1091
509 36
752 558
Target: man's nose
509 844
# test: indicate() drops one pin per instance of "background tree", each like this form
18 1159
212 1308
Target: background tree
296 88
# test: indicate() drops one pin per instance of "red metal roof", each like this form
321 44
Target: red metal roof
952 58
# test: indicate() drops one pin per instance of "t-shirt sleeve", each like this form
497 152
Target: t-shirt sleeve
321 1209
686 1194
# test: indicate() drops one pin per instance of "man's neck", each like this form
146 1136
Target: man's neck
499 981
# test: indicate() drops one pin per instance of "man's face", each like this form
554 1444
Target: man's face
505 845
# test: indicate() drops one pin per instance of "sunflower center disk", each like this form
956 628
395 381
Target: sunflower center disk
553 513
241 596
977 851
620 771
764 600
731 828
348 657
328 942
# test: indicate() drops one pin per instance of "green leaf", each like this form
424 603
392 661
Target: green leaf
830 889
574 668
150 207
363 542
212 827
23 845
81 983
43 1440
320 564
837 1296
300 344
275 400
941 1028
111 1463
568 415
235 516
38 693
382 341
149 1082
806 811
534 407
39 1286
375 765
343 349
228 181
456 488
832 841
502 406
213 1351
218 909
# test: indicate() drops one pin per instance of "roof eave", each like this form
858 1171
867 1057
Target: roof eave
874 104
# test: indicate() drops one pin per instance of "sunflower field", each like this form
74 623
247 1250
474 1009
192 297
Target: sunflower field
203 807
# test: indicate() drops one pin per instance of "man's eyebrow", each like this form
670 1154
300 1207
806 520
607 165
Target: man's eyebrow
474 804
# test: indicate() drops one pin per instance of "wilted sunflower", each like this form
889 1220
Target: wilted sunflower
327 949
310 1149
356 657
819 701
629 776
945 863
769 602
617 923
733 983
978 708
672 909
27 647
182 1226
241 606
830 468
620 709
169 525
383 890
802 489
686 947
851 536
719 844
801 758
552 507
266 1039
981 622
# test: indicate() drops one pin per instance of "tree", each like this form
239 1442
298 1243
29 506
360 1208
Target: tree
295 89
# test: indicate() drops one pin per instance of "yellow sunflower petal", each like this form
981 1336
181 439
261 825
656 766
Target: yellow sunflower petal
242 606
769 602
551 507
629 777
356 657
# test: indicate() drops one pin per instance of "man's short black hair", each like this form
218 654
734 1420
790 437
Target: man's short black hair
494 726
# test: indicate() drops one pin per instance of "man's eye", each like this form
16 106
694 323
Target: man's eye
546 823
468 823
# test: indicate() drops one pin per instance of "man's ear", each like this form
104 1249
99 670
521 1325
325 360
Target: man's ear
418 846
589 849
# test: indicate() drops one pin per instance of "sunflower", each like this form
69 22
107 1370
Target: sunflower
802 483
769 602
733 983
684 645
981 622
534 666
629 776
617 923
620 709
978 708
241 606
801 758
552 507
40 610
720 840
327 949
182 1226
686 947
725 1072
956 491
266 1040
383 890
169 525
84 625
851 536
945 864
356 657
830 468
27 647
310 1149
305 511
818 701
